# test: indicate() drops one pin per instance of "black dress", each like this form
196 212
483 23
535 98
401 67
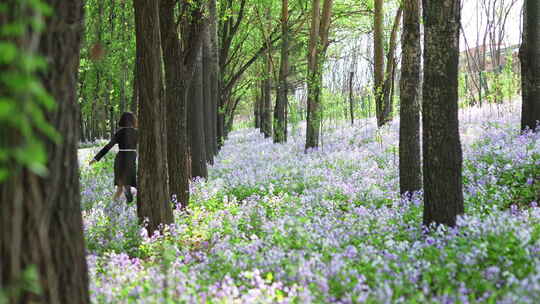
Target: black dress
125 168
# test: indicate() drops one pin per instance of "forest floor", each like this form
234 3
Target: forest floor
274 225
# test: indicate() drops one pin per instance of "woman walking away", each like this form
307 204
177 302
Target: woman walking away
125 170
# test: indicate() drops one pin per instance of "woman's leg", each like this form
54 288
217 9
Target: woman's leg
119 190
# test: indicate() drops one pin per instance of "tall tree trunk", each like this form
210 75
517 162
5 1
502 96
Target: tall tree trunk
318 42
314 116
207 95
388 85
214 70
378 48
266 115
443 194
351 104
40 216
530 66
196 124
256 113
410 170
153 201
280 111
221 122
175 92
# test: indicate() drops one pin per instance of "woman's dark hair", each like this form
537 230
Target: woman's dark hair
127 120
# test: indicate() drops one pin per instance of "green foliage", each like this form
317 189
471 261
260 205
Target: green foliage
106 66
496 86
29 283
24 130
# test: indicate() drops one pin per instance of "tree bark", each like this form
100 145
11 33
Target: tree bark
410 170
318 42
214 71
530 66
443 194
207 92
378 48
153 201
266 114
386 109
175 92
256 111
351 103
40 216
196 124
280 111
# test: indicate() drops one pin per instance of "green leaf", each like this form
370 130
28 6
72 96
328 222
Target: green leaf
41 7
6 107
32 63
33 156
8 52
31 280
15 29
3 176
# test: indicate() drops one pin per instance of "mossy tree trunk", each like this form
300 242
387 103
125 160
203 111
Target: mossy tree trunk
40 215
442 162
410 170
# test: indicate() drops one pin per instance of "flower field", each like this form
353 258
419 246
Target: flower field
275 225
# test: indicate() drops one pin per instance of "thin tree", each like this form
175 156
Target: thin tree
378 49
256 113
410 170
442 163
530 66
280 110
318 43
266 102
214 71
386 108
41 225
153 200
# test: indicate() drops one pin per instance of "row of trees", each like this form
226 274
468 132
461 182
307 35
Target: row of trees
184 116
442 154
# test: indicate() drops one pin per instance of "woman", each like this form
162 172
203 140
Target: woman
125 170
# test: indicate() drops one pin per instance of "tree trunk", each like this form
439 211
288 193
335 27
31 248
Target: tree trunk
256 113
196 124
40 216
378 47
266 114
318 42
153 201
410 170
388 86
207 92
530 66
280 111
175 93
351 104
221 123
214 71
443 194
